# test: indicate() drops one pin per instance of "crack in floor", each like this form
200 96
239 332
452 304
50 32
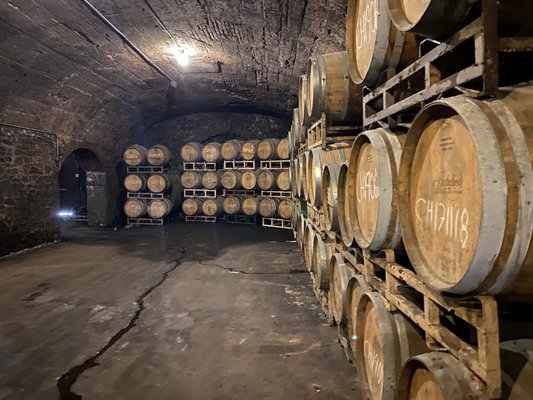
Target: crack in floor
235 271
67 380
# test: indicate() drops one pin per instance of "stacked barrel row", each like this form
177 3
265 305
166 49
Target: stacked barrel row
151 190
237 172
451 194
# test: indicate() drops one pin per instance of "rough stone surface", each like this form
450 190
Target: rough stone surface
28 189
175 312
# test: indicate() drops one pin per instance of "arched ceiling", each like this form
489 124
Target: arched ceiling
62 68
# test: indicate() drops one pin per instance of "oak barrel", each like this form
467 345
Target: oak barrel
250 206
303 116
266 149
212 152
249 150
233 204
384 342
212 179
192 206
158 155
320 261
159 183
134 155
191 180
232 149
466 184
330 89
282 149
339 296
374 45
309 239
330 195
295 178
231 179
135 183
267 180
213 207
135 208
373 190
295 125
191 152
317 158
268 207
343 205
302 160
429 18
285 208
283 180
249 179
356 288
160 208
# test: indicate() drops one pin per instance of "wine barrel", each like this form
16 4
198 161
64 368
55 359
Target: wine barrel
268 207
249 150
249 179
192 206
191 152
191 180
282 149
320 261
302 222
266 180
158 155
330 89
231 179
233 205
283 181
384 342
295 223
294 178
441 376
266 149
343 205
303 116
316 160
135 183
374 45
134 155
160 208
435 19
466 184
213 207
135 208
159 183
212 179
339 297
309 240
250 206
295 126
285 208
373 190
212 152
356 288
232 149
302 160
330 195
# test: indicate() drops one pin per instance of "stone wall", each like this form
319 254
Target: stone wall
28 189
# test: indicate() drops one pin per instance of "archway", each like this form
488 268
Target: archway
73 186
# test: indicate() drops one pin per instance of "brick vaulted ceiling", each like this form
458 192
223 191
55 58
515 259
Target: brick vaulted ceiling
61 66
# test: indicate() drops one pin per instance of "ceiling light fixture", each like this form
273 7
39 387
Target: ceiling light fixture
181 53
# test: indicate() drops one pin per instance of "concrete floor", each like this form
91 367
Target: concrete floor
181 312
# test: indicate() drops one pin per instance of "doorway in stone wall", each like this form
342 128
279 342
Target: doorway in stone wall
79 178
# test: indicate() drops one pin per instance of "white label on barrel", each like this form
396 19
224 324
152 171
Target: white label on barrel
367 192
447 198
367 22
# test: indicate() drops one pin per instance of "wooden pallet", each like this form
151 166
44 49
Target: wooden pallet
145 196
199 166
419 84
276 164
241 219
145 221
249 193
320 134
323 298
200 218
147 169
201 193
384 275
240 164
278 223
316 217
275 193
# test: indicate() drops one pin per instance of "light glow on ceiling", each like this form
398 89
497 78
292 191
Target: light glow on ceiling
182 53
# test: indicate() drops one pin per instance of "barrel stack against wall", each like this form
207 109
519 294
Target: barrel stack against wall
415 214
152 190
230 179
